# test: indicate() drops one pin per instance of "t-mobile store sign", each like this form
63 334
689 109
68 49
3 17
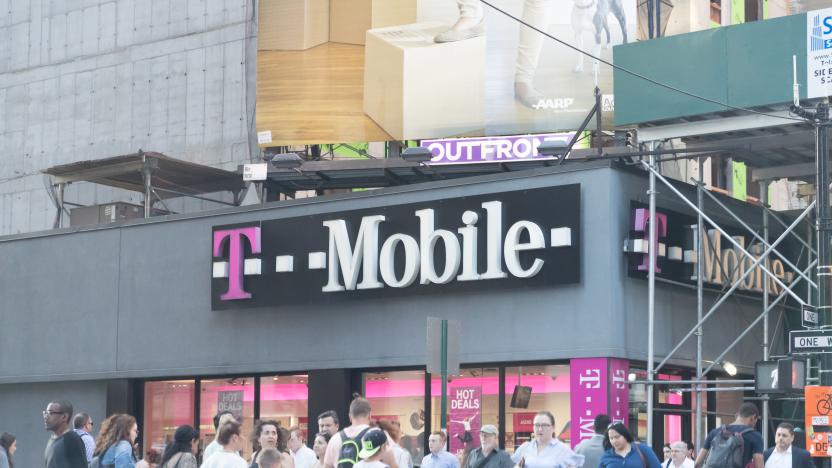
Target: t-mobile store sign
509 239
597 386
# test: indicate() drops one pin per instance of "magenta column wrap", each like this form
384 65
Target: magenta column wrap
596 386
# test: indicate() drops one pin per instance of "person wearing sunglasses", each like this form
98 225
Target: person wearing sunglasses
65 449
83 427
545 450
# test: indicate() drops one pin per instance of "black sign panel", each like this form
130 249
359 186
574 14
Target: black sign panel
505 240
724 263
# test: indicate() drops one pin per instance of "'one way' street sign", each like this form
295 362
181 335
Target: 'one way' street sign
810 341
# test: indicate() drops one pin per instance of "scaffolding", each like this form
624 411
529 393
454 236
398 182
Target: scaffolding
805 275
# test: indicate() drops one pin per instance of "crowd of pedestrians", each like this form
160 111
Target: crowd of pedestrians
366 443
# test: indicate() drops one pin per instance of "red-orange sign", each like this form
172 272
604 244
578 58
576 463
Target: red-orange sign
818 414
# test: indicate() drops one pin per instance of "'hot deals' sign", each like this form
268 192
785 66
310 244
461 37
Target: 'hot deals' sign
528 237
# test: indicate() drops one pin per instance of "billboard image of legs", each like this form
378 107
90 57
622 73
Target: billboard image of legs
333 71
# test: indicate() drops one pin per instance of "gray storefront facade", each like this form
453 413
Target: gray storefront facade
107 316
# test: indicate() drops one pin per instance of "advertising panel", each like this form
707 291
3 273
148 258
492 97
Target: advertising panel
232 401
333 71
465 418
818 408
819 53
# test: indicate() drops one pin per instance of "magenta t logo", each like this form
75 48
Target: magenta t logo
642 221
234 239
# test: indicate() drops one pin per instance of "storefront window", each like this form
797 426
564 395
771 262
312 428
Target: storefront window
167 405
549 392
472 401
400 396
234 394
284 398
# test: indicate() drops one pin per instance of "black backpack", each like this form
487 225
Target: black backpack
348 455
727 449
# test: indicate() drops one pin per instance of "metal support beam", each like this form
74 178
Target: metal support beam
700 274
651 293
739 248
766 344
808 245
764 241
756 321
59 216
148 188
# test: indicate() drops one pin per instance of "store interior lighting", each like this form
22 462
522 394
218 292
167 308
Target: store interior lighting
729 368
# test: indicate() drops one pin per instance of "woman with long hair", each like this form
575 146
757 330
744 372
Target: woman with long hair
115 442
625 452
8 445
269 435
181 452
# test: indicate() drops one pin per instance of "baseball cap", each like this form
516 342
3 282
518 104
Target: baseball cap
488 429
371 443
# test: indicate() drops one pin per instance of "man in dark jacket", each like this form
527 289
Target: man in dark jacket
488 455
784 454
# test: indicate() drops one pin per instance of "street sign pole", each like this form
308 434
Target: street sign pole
444 358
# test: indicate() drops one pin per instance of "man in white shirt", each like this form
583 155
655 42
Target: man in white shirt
303 456
438 456
359 424
783 454
678 456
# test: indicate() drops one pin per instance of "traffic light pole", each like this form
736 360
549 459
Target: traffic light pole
819 117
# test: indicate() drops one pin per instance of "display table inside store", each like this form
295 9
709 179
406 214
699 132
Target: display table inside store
415 88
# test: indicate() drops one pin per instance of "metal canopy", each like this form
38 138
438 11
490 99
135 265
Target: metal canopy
152 174
171 177
375 173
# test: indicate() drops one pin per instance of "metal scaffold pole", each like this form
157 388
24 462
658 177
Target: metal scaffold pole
824 229
651 293
700 271
763 198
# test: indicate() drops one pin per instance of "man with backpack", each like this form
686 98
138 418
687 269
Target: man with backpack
342 450
735 445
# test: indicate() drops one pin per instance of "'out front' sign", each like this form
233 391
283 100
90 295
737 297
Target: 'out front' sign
521 238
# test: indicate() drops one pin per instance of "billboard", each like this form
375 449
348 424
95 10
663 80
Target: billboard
818 406
332 71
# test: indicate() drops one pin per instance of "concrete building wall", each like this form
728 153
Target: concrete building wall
88 79
147 316
21 406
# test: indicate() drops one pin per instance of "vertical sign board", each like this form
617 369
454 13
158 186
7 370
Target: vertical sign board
819 53
465 418
231 401
619 392
588 393
597 386
818 401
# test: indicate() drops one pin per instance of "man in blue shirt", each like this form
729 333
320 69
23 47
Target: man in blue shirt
438 456
83 427
746 419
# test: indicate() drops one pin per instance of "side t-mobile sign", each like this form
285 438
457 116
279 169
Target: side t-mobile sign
509 239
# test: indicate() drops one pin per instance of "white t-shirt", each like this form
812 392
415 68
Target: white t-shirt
369 464
223 459
305 457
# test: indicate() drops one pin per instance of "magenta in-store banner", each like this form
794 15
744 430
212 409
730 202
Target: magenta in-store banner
491 149
465 418
232 401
